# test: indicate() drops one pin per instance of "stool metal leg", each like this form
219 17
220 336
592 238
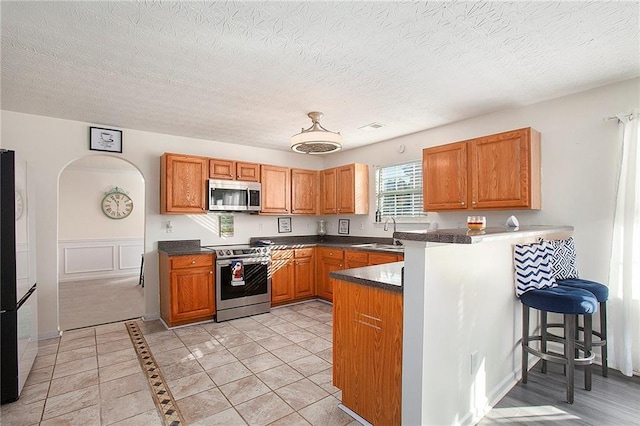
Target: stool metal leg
543 338
569 350
603 337
525 342
588 338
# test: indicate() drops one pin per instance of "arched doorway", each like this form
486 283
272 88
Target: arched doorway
101 215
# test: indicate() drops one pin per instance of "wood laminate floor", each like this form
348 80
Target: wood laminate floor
613 401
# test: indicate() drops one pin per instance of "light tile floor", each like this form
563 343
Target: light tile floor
272 368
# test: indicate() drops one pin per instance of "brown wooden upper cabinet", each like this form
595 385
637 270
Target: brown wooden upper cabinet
287 190
494 172
304 191
182 188
345 190
276 189
233 170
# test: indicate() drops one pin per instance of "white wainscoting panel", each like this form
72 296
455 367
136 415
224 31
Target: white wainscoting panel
95 259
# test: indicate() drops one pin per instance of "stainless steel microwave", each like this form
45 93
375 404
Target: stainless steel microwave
234 196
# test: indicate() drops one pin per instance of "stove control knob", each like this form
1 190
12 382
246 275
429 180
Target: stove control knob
228 252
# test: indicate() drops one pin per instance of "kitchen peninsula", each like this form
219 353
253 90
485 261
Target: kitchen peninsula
461 321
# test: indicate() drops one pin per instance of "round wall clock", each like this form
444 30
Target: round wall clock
116 204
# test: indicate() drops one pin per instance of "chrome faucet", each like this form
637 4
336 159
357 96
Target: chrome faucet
386 228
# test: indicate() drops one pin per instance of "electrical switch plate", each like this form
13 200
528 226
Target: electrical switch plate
361 225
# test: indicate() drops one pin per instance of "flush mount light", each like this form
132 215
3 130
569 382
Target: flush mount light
316 139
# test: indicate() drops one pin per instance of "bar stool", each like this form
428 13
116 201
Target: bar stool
569 302
601 292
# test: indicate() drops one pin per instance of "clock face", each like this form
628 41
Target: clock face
117 205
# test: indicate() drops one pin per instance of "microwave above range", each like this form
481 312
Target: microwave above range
234 196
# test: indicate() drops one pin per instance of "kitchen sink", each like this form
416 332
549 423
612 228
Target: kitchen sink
380 246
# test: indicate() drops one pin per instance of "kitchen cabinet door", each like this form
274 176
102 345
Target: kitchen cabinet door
329 260
222 169
329 191
505 170
355 259
187 292
182 184
276 189
381 258
248 172
444 177
282 278
304 277
345 189
304 191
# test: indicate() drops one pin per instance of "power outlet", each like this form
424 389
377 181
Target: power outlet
474 362
361 225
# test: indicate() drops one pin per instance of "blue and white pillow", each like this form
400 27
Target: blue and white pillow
533 267
564 259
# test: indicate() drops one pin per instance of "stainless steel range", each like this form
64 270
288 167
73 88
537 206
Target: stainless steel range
243 282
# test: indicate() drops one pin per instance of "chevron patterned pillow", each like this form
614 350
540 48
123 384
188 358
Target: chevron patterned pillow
564 259
533 268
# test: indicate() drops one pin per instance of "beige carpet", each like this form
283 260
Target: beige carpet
93 302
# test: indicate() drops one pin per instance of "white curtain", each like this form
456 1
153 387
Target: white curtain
624 273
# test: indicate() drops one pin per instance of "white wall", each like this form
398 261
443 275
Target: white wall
579 160
580 155
50 144
81 192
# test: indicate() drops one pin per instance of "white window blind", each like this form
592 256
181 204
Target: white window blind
399 190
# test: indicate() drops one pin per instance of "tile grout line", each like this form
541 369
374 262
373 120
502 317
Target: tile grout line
162 397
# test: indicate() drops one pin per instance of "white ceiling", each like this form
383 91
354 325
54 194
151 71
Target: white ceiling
248 72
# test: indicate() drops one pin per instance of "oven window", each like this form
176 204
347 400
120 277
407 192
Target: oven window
255 281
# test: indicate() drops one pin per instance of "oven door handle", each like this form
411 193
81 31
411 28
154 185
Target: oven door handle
244 261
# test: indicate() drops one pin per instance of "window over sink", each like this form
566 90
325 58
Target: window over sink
399 190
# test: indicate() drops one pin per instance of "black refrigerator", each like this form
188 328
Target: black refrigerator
18 302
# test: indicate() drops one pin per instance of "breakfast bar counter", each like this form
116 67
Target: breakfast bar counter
461 321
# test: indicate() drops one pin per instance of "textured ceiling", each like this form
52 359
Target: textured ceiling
248 72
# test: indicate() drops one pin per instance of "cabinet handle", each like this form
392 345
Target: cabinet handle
462 203
210 272
341 265
473 203
193 261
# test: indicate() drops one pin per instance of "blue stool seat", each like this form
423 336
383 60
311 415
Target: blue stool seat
561 300
601 292
570 302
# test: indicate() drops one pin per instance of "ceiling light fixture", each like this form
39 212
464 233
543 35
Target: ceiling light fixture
316 139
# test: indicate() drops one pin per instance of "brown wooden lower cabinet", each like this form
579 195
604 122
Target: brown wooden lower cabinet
292 275
367 351
187 291
329 260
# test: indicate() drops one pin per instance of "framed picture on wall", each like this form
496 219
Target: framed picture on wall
343 226
284 224
108 140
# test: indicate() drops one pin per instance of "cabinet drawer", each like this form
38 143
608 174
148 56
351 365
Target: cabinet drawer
191 261
356 256
333 253
281 254
304 252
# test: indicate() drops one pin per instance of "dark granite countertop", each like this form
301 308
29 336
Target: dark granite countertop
181 247
387 276
340 242
466 236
